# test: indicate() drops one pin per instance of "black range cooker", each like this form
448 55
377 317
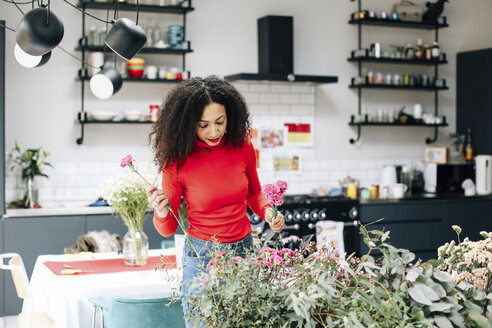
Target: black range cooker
301 213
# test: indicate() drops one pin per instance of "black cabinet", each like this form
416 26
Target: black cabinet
471 216
2 145
417 227
474 97
33 236
423 226
3 276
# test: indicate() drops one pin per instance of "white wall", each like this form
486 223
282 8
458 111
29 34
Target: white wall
42 103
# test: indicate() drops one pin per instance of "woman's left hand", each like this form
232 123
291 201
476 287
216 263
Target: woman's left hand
276 223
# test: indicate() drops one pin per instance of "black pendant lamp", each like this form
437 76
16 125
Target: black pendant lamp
28 61
39 31
125 38
106 83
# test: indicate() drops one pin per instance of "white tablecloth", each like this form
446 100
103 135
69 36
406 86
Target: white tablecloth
65 298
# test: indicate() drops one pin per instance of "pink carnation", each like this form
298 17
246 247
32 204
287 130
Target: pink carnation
282 185
128 159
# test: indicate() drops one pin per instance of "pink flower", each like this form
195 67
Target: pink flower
274 192
128 159
282 185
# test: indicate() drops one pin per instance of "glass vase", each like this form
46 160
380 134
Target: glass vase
31 193
135 247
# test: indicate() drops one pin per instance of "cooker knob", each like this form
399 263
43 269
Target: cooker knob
289 217
297 216
313 215
322 214
312 226
254 219
353 213
305 215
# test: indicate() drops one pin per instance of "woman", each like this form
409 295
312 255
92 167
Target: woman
201 142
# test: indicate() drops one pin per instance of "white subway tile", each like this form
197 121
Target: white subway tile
72 181
90 168
66 168
358 174
348 164
252 97
59 180
307 188
283 88
302 110
241 87
308 99
278 110
299 88
310 164
83 181
46 195
269 98
367 164
329 164
373 174
289 98
338 175
259 110
321 175
294 188
12 194
259 87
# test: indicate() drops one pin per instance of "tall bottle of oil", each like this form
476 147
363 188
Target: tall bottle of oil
468 146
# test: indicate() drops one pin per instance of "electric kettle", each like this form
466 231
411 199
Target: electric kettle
388 176
483 174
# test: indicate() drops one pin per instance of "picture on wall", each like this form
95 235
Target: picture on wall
272 137
287 162
255 143
298 134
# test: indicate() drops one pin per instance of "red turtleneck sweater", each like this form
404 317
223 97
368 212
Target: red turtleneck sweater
216 183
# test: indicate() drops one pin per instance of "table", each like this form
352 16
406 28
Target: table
66 297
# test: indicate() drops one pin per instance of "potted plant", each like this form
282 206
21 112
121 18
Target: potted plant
32 163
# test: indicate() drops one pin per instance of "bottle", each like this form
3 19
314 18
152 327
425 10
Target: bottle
468 146
435 51
419 49
427 52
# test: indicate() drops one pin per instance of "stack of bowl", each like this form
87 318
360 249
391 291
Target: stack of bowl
135 67
175 33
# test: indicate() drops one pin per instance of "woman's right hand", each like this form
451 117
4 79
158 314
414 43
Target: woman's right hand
157 200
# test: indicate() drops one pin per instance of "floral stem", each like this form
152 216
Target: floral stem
184 230
134 170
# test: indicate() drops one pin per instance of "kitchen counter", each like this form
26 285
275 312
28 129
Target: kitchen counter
426 197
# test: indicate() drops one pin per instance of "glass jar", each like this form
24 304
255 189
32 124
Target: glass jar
135 247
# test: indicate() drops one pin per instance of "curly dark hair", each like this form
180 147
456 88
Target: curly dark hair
173 135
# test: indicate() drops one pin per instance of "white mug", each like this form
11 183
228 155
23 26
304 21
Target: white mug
399 190
152 72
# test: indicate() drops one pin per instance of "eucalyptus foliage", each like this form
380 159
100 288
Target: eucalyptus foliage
314 287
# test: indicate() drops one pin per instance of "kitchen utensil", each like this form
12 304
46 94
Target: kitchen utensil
398 190
388 176
375 49
132 115
483 174
352 191
103 115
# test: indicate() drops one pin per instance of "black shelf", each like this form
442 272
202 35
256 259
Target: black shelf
115 122
397 87
129 79
386 60
397 124
291 78
133 7
397 23
143 50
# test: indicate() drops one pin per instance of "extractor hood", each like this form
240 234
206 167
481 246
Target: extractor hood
277 77
276 54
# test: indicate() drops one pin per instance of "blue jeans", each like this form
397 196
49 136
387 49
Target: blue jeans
192 264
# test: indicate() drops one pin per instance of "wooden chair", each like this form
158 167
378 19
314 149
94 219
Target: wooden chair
27 318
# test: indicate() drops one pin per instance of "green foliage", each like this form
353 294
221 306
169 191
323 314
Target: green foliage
314 287
31 161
